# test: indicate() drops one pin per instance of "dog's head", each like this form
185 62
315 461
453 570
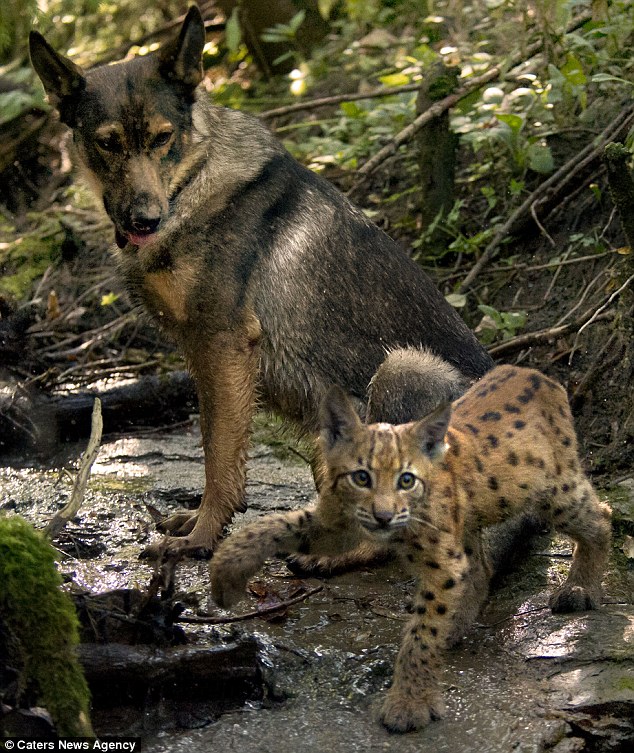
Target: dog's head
131 123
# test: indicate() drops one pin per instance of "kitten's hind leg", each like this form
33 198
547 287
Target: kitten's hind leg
586 520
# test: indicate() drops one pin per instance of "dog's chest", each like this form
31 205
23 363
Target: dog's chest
166 292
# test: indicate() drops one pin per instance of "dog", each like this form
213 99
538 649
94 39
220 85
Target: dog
271 282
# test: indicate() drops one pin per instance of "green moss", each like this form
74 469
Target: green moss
42 623
626 683
23 260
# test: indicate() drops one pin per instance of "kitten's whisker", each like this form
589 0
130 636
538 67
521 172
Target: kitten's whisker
424 523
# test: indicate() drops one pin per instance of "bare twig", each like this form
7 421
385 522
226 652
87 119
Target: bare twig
335 99
598 364
251 615
69 510
549 187
540 336
426 117
598 313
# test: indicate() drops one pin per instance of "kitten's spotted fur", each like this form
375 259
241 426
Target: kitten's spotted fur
427 489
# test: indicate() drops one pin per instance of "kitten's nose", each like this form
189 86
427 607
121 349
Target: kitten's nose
383 515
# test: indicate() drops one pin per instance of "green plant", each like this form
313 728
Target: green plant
497 325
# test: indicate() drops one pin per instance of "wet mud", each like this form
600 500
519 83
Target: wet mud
523 679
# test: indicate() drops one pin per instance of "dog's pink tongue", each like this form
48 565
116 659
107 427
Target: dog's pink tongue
140 239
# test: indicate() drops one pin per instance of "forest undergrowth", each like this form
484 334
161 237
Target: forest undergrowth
472 132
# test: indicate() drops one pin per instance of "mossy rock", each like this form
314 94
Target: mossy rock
41 622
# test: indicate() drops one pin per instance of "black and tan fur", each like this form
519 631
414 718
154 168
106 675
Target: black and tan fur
427 489
269 280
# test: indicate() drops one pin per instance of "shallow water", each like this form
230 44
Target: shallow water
523 679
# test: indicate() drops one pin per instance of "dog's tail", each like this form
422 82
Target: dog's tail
410 384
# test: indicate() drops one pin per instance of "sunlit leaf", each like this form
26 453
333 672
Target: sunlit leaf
233 32
513 121
108 299
457 300
395 79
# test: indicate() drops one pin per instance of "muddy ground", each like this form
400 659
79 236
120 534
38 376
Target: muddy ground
523 679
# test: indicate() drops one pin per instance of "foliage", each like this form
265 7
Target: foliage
26 257
42 624
499 323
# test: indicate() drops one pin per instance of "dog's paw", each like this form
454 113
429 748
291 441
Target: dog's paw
171 548
179 524
403 712
574 599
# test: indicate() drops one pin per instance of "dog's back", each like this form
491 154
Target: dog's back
243 255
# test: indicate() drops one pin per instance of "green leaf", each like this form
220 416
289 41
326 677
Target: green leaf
572 70
233 32
297 21
457 300
108 299
14 103
395 79
601 78
352 110
513 121
325 8
540 158
493 313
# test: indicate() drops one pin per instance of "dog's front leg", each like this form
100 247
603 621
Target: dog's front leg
225 369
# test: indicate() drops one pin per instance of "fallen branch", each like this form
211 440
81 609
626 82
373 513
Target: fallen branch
335 99
553 185
598 313
410 131
447 103
204 620
71 508
541 336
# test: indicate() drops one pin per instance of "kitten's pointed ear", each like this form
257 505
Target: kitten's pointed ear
63 81
338 419
181 59
430 431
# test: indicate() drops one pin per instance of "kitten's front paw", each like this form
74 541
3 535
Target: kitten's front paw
574 599
402 712
227 585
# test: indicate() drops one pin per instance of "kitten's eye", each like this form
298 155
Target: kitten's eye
406 481
108 143
161 139
361 479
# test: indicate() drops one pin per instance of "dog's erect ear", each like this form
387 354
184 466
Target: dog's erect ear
181 59
339 420
63 80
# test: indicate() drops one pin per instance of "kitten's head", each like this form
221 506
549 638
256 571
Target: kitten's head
382 470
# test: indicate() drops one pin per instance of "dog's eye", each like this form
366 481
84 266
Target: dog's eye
161 139
108 143
361 479
406 481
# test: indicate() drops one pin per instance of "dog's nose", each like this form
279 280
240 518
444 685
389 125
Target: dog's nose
146 223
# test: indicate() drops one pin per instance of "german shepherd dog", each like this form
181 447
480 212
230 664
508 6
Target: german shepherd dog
269 280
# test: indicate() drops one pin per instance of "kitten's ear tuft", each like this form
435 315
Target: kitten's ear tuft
430 431
338 418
